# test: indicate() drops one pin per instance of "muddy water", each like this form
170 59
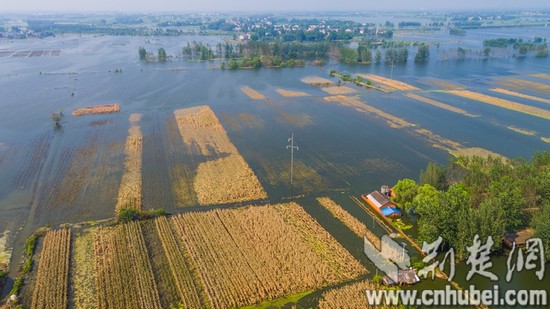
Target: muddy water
72 174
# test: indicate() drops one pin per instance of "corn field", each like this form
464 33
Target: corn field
351 296
244 256
129 194
52 278
124 277
356 226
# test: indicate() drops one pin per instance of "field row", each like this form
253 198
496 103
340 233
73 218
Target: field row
222 175
129 193
52 278
220 258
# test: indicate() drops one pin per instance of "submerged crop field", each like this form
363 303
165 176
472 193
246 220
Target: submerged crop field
214 259
209 186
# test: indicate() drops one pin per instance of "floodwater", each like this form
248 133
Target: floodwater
71 174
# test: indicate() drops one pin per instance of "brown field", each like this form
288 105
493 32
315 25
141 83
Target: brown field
526 109
350 221
521 84
97 109
256 253
393 121
520 95
52 278
253 94
290 93
224 177
338 90
83 271
545 139
543 76
392 83
439 104
129 194
317 81
124 277
350 296
189 290
522 131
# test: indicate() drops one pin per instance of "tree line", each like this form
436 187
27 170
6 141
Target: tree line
483 196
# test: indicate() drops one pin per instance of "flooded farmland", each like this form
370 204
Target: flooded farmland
351 140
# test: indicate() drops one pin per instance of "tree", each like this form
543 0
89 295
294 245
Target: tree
364 54
161 55
461 53
541 226
378 56
434 175
348 55
426 199
142 53
423 54
487 52
405 191
57 117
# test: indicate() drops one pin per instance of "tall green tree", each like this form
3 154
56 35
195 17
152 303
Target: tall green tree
541 226
378 56
423 54
142 53
434 175
405 191
161 55
348 55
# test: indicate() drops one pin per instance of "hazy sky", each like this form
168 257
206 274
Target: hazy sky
261 5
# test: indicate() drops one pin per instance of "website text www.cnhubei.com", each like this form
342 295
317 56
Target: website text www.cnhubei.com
451 297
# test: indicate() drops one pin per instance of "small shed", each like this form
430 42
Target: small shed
520 238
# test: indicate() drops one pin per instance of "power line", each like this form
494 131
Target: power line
291 147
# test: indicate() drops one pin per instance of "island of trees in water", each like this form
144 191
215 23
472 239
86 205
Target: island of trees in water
483 196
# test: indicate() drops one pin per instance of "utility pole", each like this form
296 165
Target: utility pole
291 147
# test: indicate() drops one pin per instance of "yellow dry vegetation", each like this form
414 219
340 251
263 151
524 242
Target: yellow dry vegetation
317 81
338 90
129 194
439 104
97 109
124 276
256 253
520 95
253 94
392 83
351 296
82 270
521 84
543 76
393 121
455 148
350 221
291 93
52 278
545 139
224 176
526 109
5 253
522 131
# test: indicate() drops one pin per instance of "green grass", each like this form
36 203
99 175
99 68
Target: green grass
280 302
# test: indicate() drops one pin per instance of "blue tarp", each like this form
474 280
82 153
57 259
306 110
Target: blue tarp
388 211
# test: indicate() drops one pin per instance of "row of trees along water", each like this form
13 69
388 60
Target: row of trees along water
253 54
484 196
